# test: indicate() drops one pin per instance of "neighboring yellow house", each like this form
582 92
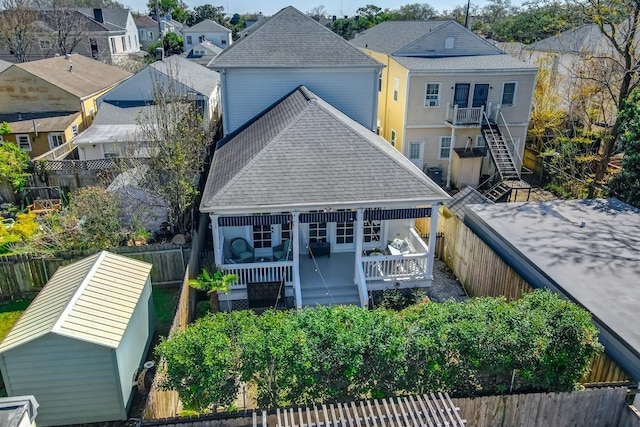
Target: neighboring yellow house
441 89
50 101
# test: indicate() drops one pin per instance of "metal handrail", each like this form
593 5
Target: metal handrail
493 135
512 147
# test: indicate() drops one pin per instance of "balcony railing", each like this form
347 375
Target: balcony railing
464 116
260 272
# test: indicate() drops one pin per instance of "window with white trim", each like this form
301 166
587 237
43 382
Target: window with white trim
396 88
113 45
24 142
129 40
509 93
286 230
317 231
393 138
449 42
432 95
56 139
415 148
261 236
344 231
189 40
445 147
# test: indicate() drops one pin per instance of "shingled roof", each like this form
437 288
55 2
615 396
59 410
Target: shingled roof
207 26
292 39
389 36
304 152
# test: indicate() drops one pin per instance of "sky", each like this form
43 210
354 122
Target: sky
333 7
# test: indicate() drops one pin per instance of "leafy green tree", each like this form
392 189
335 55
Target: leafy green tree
177 8
626 184
235 19
414 12
172 43
13 162
207 11
212 284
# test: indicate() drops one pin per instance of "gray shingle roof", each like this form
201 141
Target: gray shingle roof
389 36
304 152
109 114
583 39
114 19
191 74
466 196
146 21
292 39
468 63
210 51
207 26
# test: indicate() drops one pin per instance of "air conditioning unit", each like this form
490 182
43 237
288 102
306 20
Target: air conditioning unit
432 103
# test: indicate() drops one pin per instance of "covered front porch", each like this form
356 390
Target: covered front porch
299 259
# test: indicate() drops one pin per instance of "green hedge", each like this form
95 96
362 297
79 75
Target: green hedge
338 353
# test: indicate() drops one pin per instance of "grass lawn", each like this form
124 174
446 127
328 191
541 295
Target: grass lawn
10 313
164 304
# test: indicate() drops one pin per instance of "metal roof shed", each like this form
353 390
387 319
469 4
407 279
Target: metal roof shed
588 251
80 343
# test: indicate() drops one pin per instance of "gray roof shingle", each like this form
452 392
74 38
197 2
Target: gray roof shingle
390 36
207 26
466 196
292 39
583 39
191 74
114 19
468 63
304 152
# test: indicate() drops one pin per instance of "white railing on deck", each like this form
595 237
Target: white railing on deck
59 152
259 272
395 267
464 116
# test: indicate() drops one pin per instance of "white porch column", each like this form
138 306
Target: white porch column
217 241
433 231
295 227
359 238
453 143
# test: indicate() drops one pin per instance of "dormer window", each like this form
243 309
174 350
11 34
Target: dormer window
449 42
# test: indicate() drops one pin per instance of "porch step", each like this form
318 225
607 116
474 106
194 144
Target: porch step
346 294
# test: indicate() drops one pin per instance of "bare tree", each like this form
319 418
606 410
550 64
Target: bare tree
619 22
17 26
317 12
68 27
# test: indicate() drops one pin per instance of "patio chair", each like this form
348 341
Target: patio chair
283 251
241 250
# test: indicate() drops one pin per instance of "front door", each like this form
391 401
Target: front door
461 96
480 95
345 235
416 153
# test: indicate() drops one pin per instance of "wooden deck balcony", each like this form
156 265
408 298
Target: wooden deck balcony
464 117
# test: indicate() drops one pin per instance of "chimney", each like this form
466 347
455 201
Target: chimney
70 67
97 15
159 54
67 56
333 18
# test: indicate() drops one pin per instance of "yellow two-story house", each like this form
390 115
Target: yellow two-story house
453 103
48 102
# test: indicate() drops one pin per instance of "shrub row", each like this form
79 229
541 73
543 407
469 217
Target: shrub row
487 345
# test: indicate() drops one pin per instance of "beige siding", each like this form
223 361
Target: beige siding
73 381
419 115
22 91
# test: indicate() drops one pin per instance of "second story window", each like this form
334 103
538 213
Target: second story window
396 88
113 45
393 138
508 93
432 95
189 40
380 81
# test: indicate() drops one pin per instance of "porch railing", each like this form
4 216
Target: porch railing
416 242
259 272
464 116
395 267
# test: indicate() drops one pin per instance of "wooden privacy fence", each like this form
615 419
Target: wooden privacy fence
25 275
594 408
483 273
166 403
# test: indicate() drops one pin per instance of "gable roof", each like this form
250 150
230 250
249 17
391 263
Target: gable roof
87 77
4 65
207 26
292 39
465 63
583 39
90 300
210 51
424 39
52 121
193 75
113 19
304 152
389 36
145 21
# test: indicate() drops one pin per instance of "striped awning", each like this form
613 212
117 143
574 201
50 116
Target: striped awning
338 216
387 214
239 221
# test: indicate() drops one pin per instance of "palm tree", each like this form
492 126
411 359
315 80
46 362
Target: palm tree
213 283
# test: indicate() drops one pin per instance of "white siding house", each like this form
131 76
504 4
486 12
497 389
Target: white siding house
207 30
78 346
287 51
